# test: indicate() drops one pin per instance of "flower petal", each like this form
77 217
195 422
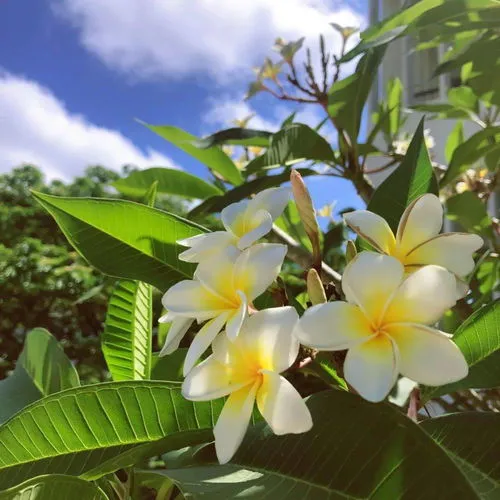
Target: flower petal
272 200
372 368
262 224
267 337
333 326
428 356
209 380
372 228
202 341
423 297
233 217
237 317
178 329
370 280
450 250
257 267
204 246
232 424
421 220
282 406
191 298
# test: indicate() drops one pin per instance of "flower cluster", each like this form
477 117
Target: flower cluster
394 296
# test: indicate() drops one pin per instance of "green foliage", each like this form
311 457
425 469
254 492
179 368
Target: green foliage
410 180
468 210
54 487
478 339
363 451
98 429
127 337
135 241
170 181
237 137
213 157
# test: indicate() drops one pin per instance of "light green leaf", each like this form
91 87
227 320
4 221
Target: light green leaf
41 369
356 450
237 137
213 157
294 143
170 181
470 151
394 102
443 111
54 487
347 97
169 367
455 139
94 430
127 337
470 440
124 239
217 203
479 340
463 97
413 178
470 212
290 222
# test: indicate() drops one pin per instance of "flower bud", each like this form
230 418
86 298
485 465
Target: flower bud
307 214
315 287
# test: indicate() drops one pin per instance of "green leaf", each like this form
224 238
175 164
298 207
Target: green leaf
54 487
170 181
356 450
217 203
124 239
469 439
213 157
413 178
463 97
455 139
169 367
94 430
127 337
470 151
292 144
347 97
468 210
237 137
479 340
41 369
394 104
290 222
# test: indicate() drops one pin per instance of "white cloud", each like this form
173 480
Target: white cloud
176 38
36 127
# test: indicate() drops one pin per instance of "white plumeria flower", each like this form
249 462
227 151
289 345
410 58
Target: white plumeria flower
417 242
384 324
221 292
248 369
245 222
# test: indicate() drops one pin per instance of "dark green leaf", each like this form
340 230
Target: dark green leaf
356 450
470 151
294 143
455 139
170 181
41 369
94 430
470 440
213 157
217 203
478 338
470 212
54 487
413 178
127 337
236 136
124 239
347 97
169 367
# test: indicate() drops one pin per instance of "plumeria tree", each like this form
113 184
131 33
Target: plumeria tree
289 362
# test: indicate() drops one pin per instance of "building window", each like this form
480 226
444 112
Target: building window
422 86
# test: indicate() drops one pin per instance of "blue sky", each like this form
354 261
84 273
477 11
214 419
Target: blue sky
75 73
